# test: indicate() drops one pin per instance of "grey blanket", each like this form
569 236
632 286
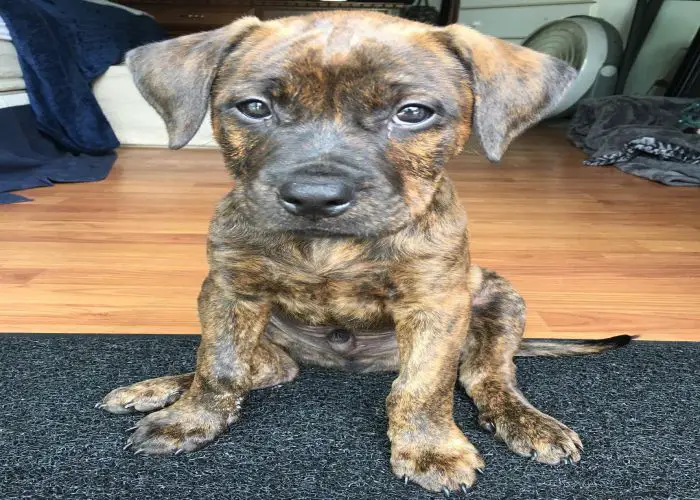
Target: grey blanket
639 135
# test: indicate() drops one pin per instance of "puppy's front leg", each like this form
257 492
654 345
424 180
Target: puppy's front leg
426 445
231 329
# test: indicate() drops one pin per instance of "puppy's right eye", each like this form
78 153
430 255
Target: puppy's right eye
414 113
254 109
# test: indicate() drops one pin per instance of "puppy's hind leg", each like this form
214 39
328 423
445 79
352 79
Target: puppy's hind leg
487 372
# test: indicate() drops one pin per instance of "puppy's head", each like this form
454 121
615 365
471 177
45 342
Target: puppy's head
341 123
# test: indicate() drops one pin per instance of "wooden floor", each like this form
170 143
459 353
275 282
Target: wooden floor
595 252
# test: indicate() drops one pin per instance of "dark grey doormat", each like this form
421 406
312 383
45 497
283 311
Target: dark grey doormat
323 436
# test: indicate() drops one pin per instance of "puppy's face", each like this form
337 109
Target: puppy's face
341 123
335 127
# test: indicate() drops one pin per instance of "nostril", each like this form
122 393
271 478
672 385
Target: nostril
339 202
292 200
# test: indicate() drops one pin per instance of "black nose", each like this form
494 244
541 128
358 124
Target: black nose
322 198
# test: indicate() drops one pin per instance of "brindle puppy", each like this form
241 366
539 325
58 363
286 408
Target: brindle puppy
343 242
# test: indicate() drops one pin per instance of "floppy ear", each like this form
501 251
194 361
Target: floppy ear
514 87
175 76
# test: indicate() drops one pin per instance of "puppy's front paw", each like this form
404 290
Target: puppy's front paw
531 433
187 425
146 396
445 464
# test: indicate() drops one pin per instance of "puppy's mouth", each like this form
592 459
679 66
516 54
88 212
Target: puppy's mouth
320 233
346 225
340 229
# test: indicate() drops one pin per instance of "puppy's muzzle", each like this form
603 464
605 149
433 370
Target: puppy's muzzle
317 198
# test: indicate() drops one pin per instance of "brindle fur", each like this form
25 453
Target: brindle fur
394 270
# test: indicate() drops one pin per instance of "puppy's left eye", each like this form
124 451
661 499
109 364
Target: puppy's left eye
255 109
413 114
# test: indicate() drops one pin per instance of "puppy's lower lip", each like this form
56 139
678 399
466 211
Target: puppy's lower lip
323 233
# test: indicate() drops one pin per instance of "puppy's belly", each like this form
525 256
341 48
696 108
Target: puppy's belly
335 347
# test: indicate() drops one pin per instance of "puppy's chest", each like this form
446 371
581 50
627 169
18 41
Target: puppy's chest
329 284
